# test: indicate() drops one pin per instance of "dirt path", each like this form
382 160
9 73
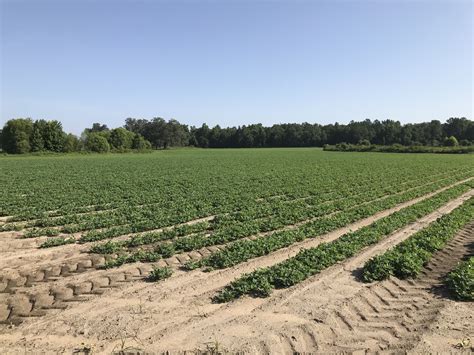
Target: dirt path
177 314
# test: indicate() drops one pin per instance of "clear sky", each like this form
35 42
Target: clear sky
235 62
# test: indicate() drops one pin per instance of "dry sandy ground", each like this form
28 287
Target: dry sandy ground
67 304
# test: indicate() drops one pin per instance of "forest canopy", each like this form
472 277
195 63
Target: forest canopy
23 135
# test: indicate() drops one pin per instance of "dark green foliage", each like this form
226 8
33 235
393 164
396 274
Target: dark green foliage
398 148
461 280
23 136
158 132
120 139
140 143
95 142
367 135
71 144
16 136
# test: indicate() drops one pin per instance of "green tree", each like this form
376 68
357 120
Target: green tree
121 139
53 136
140 143
71 144
95 142
16 135
36 141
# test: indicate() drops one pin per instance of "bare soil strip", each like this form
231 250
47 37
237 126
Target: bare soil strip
177 314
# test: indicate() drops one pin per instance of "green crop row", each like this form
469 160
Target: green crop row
461 280
242 250
55 242
57 190
246 249
274 215
311 261
408 258
231 231
148 238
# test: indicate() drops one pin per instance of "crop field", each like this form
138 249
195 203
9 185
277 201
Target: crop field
254 250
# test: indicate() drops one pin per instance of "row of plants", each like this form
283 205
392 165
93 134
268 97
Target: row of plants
173 197
242 249
126 214
407 259
461 280
231 231
74 185
215 182
247 249
129 221
224 221
110 247
306 263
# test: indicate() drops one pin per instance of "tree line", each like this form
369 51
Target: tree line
163 134
23 135
26 135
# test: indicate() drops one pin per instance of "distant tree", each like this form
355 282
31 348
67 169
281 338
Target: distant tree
140 143
201 136
36 140
95 142
136 125
458 127
121 139
16 135
53 136
451 142
174 134
97 127
71 144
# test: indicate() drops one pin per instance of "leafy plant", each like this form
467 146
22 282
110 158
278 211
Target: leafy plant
160 273
461 280
408 258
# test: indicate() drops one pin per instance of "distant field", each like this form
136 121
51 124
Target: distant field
196 183
75 225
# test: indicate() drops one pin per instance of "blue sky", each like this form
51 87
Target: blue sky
235 62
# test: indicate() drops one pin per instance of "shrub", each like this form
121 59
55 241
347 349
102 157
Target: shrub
451 142
140 143
97 143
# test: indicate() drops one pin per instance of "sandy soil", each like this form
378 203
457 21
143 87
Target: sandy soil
70 305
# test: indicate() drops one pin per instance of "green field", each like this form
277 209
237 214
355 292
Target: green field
212 198
185 184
